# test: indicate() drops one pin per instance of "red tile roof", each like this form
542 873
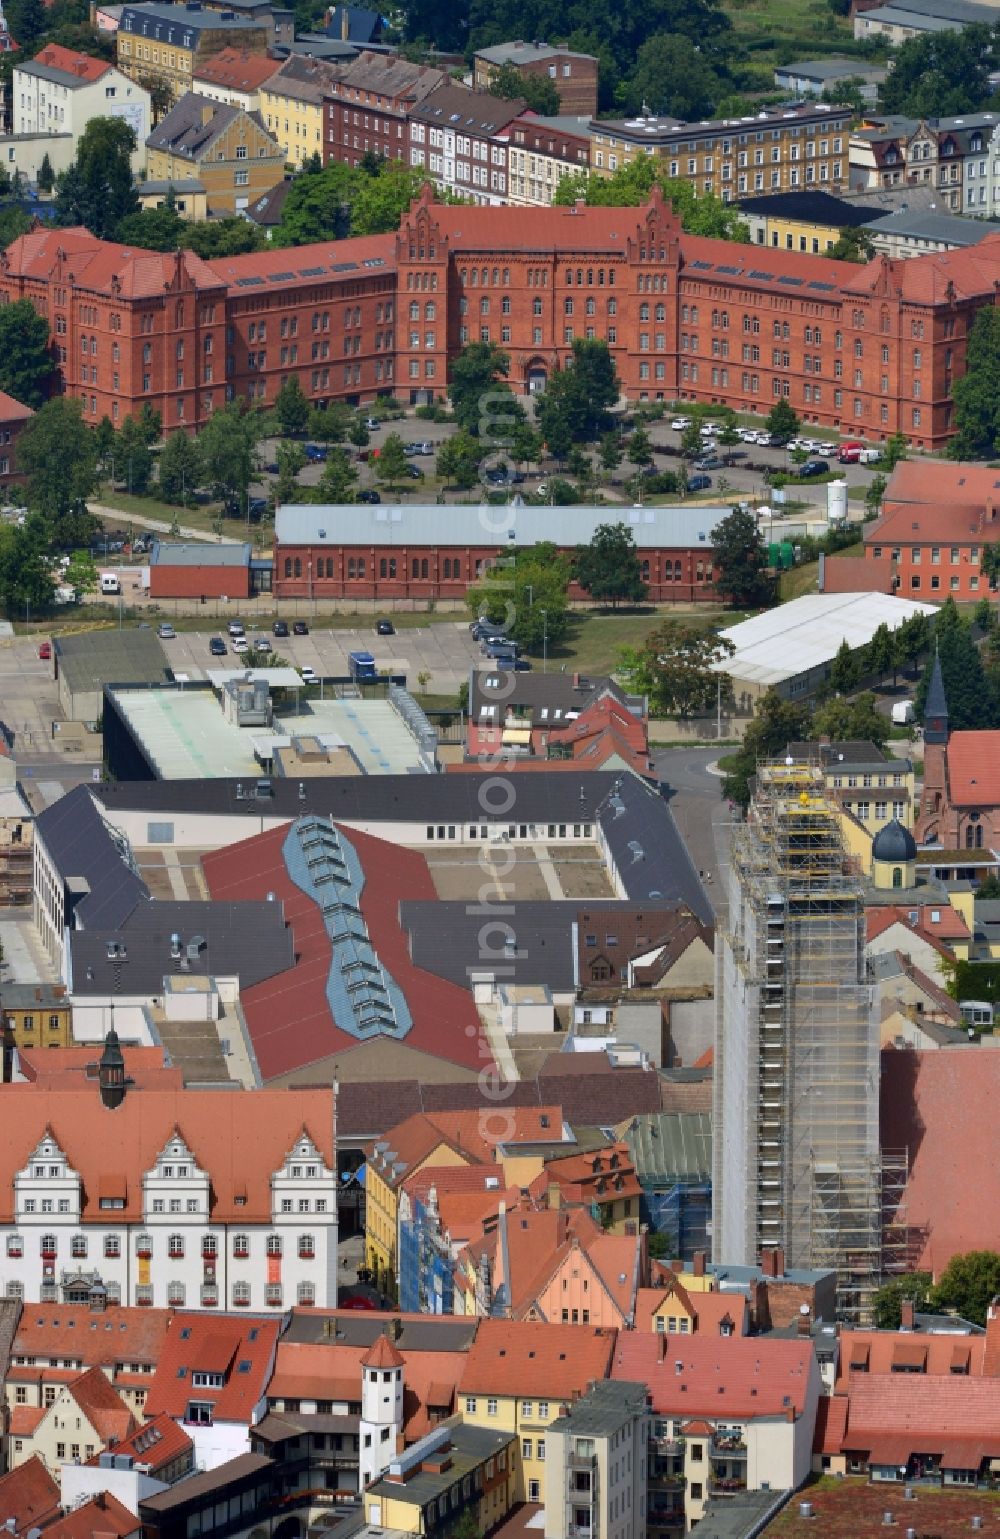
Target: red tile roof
881 918
974 769
591 1177
24 1419
892 1416
154 1445
966 487
82 66
382 1354
28 1494
535 1359
937 278
102 1405
102 1518
925 524
240 1150
881 1351
65 1068
857 574
709 1310
940 1105
196 1341
537 1238
743 1376
97 1338
102 267
237 69
12 410
297 268
332 1371
289 1016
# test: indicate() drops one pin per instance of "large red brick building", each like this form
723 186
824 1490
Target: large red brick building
870 349
936 521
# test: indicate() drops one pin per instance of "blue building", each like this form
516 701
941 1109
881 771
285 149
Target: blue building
672 1153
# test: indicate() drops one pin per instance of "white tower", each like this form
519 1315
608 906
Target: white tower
381 1408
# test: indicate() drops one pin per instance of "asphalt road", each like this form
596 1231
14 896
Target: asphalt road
700 811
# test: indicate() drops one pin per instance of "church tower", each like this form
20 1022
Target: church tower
111 1072
381 1426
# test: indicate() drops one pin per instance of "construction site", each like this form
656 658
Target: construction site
797 1161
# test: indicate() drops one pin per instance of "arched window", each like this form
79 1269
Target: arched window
677 571
897 876
383 567
415 568
447 566
288 566
424 569
298 566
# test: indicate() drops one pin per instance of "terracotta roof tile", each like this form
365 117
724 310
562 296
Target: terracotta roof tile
741 1376
24 1419
535 1359
82 66
65 1068
194 1340
383 1355
331 1370
857 574
102 1518
158 1442
973 760
12 410
102 1405
237 69
102 266
97 1338
881 1351
240 1152
28 1494
968 487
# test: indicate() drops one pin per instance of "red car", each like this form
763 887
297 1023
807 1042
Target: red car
45 651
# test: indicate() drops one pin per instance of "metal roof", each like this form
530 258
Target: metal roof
84 847
505 527
667 1147
787 641
196 552
921 224
96 658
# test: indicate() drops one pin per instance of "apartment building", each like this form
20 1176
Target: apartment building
239 1209
163 44
935 522
597 1458
540 152
573 74
59 91
368 107
293 105
235 76
460 137
224 148
775 150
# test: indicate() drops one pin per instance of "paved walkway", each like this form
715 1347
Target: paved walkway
24 961
549 874
160 525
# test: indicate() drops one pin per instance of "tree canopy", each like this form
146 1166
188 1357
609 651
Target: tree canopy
528 595
574 406
972 703
25 356
740 559
57 452
675 668
477 386
977 393
699 213
777 723
940 74
608 568
968 1285
97 189
338 200
537 90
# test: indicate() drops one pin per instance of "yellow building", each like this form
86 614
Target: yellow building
455 1470
219 145
160 46
403 1151
875 788
291 105
519 1374
804 220
775 151
189 195
40 1014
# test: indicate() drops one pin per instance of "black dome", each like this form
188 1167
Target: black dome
894 843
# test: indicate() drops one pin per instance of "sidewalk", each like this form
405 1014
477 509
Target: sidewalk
160 525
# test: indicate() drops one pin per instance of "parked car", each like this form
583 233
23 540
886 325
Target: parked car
827 449
368 496
299 628
315 453
261 644
814 468
373 424
425 448
45 651
708 462
165 632
309 675
272 467
679 424
240 644
699 483
850 453
411 449
414 472
733 456
279 628
217 646
384 628
235 628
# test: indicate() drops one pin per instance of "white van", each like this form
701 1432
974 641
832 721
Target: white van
110 582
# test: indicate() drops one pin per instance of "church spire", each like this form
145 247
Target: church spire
936 706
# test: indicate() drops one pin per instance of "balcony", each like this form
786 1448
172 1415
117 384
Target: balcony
726 1485
579 1461
728 1448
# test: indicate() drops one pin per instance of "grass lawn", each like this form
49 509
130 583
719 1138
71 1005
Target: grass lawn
798 580
594 639
796 29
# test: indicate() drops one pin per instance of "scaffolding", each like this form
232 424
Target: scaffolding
799 1164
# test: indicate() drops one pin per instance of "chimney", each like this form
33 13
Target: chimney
779 1261
991 1359
767 1263
207 112
698 1265
345 26
907 1315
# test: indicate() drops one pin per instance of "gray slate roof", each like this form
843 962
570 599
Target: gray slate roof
954 229
168 23
184 131
95 658
356 1329
830 69
462 524
525 53
83 847
197 553
533 693
245 940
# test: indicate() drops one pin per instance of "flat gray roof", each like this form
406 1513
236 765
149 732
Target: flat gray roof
603 1409
953 229
830 69
671 1146
95 658
196 552
506 527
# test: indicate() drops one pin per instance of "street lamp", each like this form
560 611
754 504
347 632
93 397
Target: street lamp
531 594
545 640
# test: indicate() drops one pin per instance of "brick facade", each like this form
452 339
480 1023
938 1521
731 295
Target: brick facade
865 349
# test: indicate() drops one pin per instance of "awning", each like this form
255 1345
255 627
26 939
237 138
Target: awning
516 737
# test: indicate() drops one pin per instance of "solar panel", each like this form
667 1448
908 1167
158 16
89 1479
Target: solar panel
735 271
246 282
311 272
281 277
705 266
374 261
827 288
344 267
795 282
755 274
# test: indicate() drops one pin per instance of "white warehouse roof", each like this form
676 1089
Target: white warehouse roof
793 638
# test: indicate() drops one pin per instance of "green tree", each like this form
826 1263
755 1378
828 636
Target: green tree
46 176
782 420
692 442
989 888
914 636
57 453
977 393
379 202
941 74
729 437
318 206
528 595
608 568
132 459
857 720
154 229
339 479
330 424
223 237
971 702
477 377
852 245
358 433
676 668
610 453
640 447
291 408
845 670
880 653
888 1300
538 91
150 423
227 444
672 77
104 442
458 460
180 468
392 461
699 213
97 189
524 445
14 222
740 560
777 723
968 1285
28 23
895 450
874 493
25 355
291 457
81 574
580 394
25 573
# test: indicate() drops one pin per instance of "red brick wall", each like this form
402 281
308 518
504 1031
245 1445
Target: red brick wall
956 571
167 581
